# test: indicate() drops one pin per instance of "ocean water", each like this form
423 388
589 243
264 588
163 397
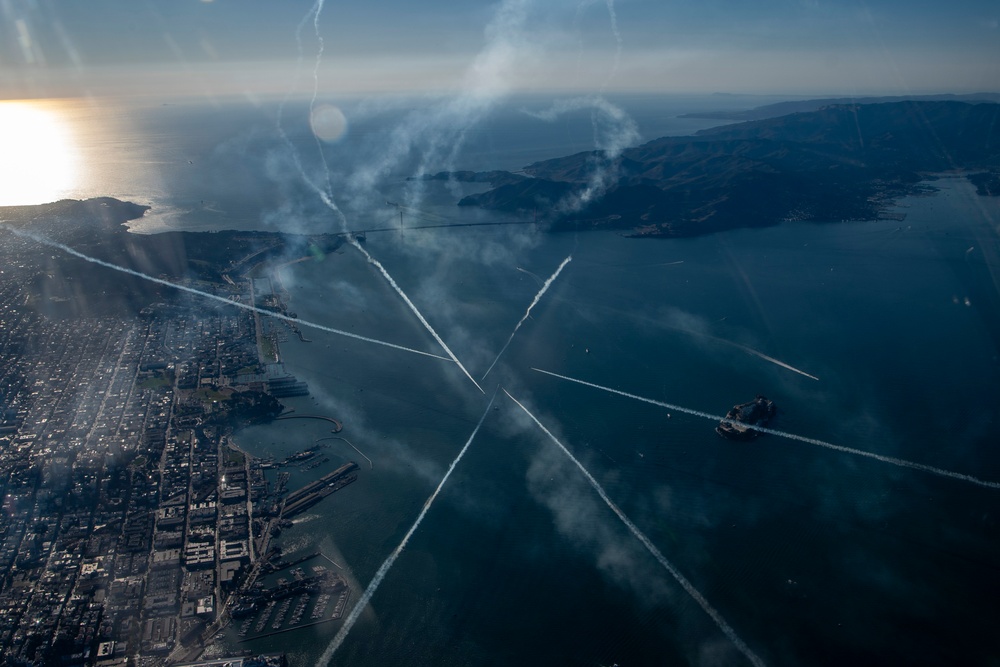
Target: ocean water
812 556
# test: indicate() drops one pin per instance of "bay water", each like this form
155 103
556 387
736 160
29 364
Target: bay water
812 556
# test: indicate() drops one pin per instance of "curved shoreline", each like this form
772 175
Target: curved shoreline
338 427
371 466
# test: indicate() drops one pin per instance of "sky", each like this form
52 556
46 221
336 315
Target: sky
58 48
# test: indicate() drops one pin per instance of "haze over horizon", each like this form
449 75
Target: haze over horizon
216 48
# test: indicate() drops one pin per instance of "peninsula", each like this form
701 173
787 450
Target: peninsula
134 527
840 162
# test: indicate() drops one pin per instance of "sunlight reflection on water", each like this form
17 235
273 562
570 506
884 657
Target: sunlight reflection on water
40 158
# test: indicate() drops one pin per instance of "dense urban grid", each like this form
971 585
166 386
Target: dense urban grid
132 527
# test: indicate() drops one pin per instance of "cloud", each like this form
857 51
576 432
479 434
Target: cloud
614 131
580 517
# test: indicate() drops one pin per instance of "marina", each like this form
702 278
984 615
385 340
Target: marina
315 599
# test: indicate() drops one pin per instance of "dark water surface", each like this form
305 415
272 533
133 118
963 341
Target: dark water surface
813 556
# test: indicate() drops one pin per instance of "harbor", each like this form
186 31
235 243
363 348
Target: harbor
306 600
299 501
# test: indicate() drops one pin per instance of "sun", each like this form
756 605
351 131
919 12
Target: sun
38 156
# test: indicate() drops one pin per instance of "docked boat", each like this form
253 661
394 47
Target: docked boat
743 420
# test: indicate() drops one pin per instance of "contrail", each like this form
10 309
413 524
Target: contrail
184 288
771 359
717 339
332 205
538 296
667 565
613 16
385 274
366 597
327 199
313 12
317 12
812 441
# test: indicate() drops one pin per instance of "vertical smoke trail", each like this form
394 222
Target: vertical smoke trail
902 463
667 565
326 197
439 131
613 16
538 296
620 132
214 297
313 13
388 563
317 11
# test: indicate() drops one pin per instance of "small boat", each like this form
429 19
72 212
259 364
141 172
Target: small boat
743 420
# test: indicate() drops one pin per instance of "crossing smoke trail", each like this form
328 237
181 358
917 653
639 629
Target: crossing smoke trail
184 288
387 564
378 265
811 441
392 283
538 296
327 199
661 559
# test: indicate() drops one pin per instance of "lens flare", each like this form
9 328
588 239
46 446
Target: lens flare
38 156
328 123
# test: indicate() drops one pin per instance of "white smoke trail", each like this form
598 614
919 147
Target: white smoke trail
534 302
236 304
440 131
613 16
392 283
326 197
314 13
317 11
620 132
783 434
723 341
378 265
774 361
661 559
387 564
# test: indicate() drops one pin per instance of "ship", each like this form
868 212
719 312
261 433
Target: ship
743 420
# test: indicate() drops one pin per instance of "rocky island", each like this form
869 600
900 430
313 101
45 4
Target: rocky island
840 162
743 420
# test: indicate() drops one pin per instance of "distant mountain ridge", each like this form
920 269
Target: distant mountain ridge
839 162
797 106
